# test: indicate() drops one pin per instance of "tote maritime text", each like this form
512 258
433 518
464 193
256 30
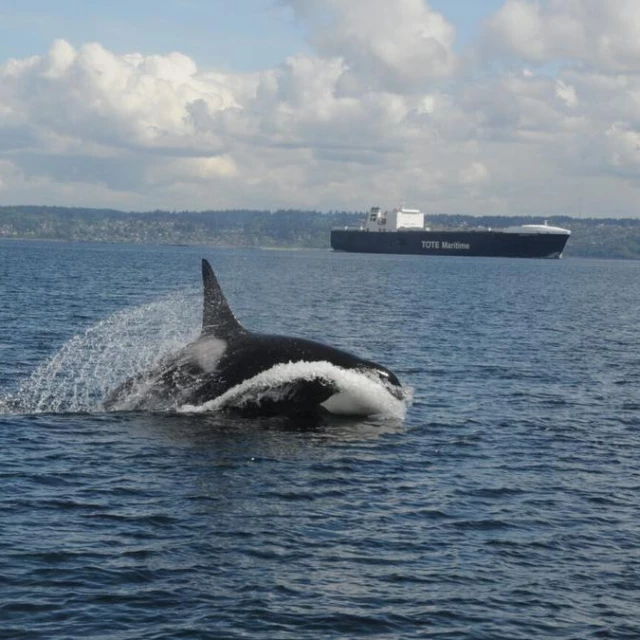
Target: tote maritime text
438 244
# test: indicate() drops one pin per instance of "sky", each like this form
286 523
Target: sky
451 106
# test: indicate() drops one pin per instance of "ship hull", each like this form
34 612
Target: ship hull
451 243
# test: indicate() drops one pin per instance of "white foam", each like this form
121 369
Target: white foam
358 393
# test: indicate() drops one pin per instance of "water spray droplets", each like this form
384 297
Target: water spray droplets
77 378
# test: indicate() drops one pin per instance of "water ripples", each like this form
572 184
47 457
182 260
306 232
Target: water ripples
503 506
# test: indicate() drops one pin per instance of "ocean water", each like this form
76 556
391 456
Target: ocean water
505 503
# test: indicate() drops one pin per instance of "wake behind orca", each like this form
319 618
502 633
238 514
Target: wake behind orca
229 368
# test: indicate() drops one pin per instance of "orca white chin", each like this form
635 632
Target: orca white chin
366 402
347 404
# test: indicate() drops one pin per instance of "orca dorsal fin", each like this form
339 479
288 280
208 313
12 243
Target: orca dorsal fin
217 318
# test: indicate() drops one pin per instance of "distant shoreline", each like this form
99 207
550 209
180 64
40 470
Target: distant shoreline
613 238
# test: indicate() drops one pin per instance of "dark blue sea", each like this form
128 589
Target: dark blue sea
505 503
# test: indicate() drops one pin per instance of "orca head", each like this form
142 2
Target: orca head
367 389
386 378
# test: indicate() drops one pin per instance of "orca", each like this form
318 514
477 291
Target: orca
229 368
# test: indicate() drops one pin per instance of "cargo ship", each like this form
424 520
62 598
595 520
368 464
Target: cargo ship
404 231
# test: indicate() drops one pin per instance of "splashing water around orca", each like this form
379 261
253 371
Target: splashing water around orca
231 369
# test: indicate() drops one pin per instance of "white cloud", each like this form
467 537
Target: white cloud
474 174
623 148
518 28
392 46
567 93
380 112
604 34
78 115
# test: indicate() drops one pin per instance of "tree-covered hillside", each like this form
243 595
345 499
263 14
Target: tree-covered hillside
605 238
